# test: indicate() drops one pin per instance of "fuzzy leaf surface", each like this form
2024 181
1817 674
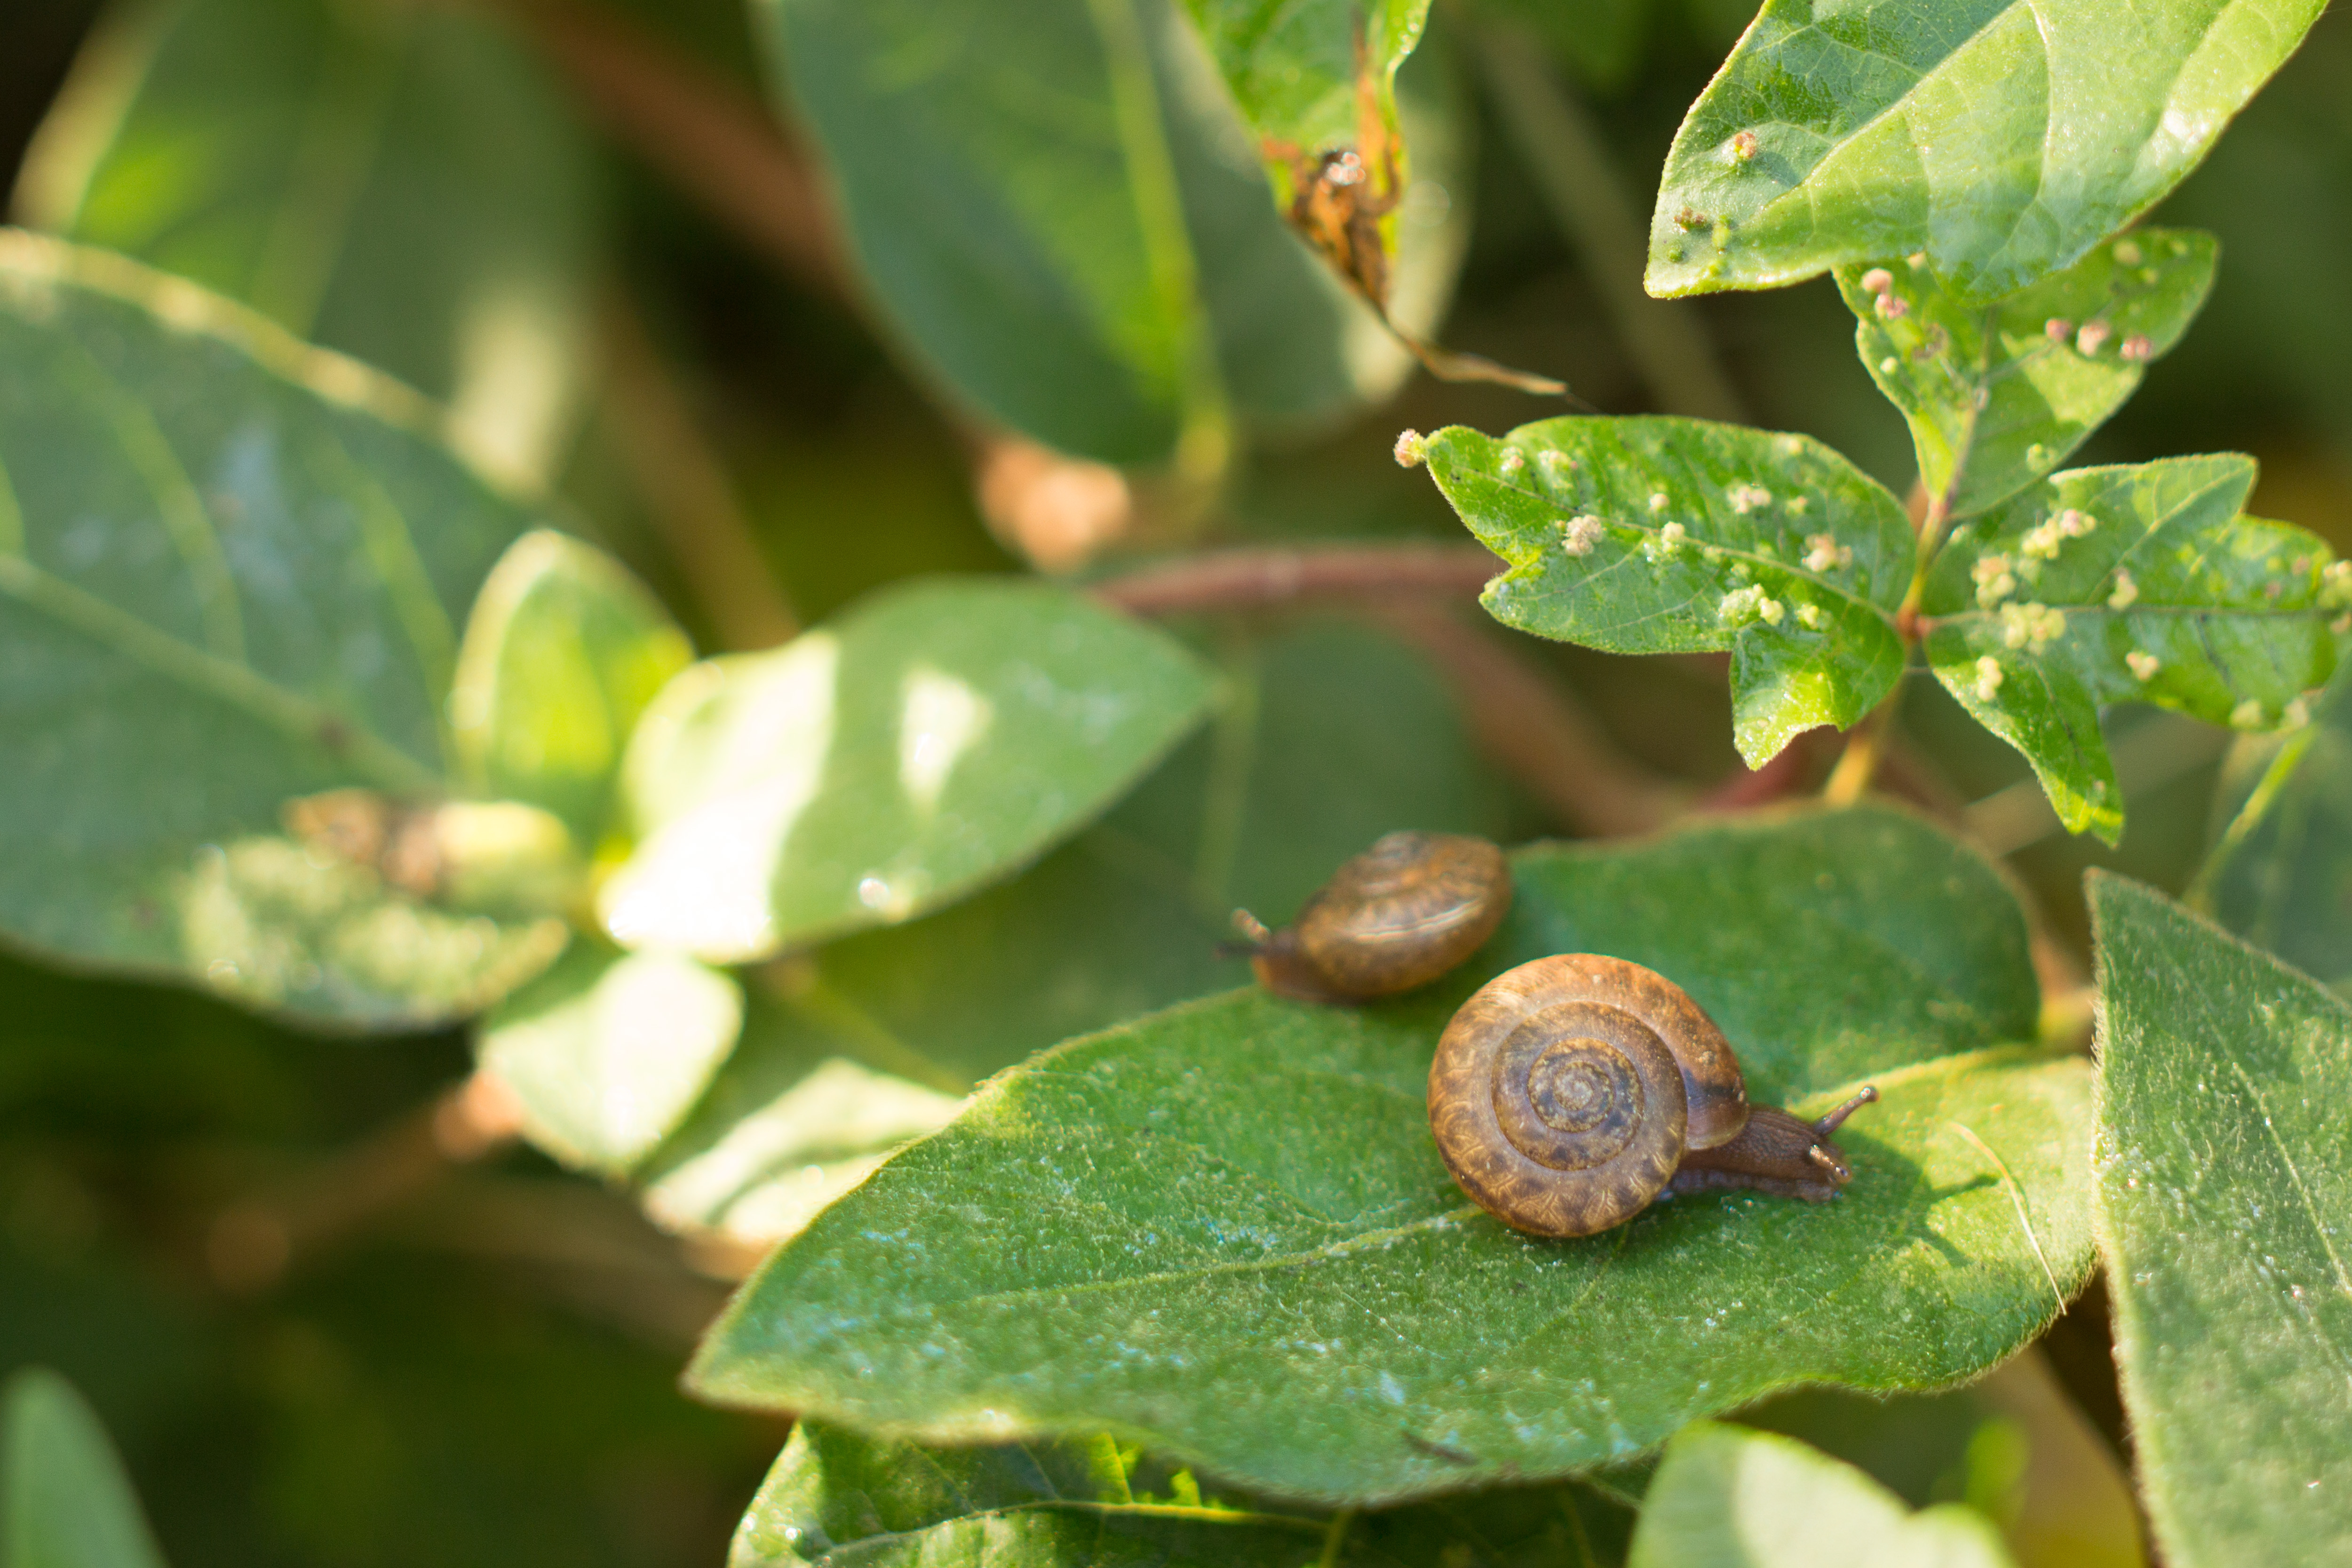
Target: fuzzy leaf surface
231 573
2138 582
563 653
2001 139
404 186
1727 1497
2280 876
1999 394
2224 1173
930 739
64 1500
1224 1233
1669 535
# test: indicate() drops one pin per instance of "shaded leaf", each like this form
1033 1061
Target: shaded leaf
1666 535
2136 582
2224 1178
1997 395
1104 277
64 1500
1726 1498
926 742
1225 1231
561 654
2281 873
2001 139
403 184
607 1051
231 571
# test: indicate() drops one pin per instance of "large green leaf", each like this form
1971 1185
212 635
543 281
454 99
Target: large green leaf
2281 874
1108 276
2133 583
563 651
929 741
1999 394
2224 1177
1224 1231
400 183
1666 535
1724 1498
64 1500
231 571
2001 139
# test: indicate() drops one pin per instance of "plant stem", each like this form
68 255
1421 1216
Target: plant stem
1265 576
1335 1538
1563 150
1863 751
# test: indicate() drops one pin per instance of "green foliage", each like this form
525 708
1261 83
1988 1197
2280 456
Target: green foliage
1275 1288
401 184
2281 873
2223 1177
2001 139
1725 1497
1656 535
1302 74
64 1500
917 746
2131 584
1999 394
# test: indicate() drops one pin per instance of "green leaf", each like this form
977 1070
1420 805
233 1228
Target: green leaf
2001 139
607 1051
1997 395
64 1500
2133 583
1224 1231
1725 1497
563 651
231 571
2281 875
1105 277
1665 535
926 742
403 184
2224 1173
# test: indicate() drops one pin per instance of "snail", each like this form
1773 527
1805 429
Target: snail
1570 1092
1397 916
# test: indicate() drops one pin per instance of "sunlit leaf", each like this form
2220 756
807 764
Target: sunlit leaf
231 573
64 1500
2001 139
2281 873
929 741
1997 395
1225 1229
561 654
1663 535
2132 584
2225 1174
1727 1497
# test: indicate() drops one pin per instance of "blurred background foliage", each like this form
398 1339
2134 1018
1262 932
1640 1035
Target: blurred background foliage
483 1372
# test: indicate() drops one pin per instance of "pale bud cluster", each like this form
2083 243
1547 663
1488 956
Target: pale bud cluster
1580 534
1744 607
1994 580
2032 628
1989 679
1824 553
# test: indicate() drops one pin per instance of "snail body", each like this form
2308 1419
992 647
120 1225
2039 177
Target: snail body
1395 917
1568 1093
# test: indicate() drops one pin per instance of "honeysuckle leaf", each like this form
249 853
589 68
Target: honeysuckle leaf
2001 139
930 739
402 183
2224 1173
1999 394
64 1500
2133 583
2280 873
1727 1497
1223 1231
561 654
1666 535
232 570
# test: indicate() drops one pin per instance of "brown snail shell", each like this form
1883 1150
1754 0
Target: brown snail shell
1568 1093
1398 916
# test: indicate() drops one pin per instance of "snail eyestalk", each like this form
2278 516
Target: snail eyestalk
1828 1124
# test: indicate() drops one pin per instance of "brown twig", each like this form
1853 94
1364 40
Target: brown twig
1256 578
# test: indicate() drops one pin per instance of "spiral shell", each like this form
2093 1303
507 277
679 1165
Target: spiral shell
1403 912
1566 1092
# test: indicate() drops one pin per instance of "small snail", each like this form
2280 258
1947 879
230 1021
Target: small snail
1570 1092
1397 916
